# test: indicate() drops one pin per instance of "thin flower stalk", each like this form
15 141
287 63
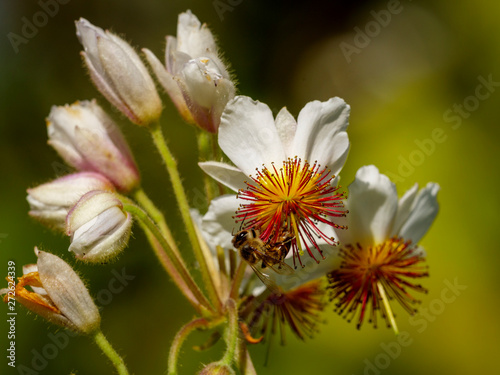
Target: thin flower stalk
182 202
157 216
111 353
180 337
176 261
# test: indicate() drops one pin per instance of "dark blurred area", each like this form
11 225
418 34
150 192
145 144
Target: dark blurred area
405 67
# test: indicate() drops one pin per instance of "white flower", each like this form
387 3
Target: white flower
89 140
380 253
376 214
98 226
294 299
57 295
285 170
51 202
119 74
194 76
218 228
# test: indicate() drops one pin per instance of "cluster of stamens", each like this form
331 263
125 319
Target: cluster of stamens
296 197
370 276
298 308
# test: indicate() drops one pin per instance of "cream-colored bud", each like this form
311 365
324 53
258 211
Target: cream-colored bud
57 294
51 202
194 75
119 74
98 226
89 140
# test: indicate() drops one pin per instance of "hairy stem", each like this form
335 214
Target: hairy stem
108 350
169 255
182 202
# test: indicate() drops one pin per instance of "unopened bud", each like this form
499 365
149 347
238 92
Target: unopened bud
57 294
51 202
88 139
119 74
194 75
98 226
216 368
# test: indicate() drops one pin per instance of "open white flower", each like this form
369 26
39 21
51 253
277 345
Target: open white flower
285 170
295 299
379 251
194 75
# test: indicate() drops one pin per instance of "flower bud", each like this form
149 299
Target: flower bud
216 368
88 139
119 74
98 226
194 76
57 295
51 202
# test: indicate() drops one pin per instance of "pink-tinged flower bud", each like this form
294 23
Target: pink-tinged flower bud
51 202
194 75
216 368
57 294
119 74
98 226
89 140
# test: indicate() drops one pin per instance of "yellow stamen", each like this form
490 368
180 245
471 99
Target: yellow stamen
387 306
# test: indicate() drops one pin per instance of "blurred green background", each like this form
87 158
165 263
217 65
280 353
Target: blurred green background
406 78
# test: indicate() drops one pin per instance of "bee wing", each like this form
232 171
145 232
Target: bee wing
281 267
268 282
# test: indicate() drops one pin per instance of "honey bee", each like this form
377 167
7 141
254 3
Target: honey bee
260 255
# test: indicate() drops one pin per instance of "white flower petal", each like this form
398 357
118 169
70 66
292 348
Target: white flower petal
194 38
404 208
218 223
248 135
226 174
286 127
423 213
167 81
321 133
372 205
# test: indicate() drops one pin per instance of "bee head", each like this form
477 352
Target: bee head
240 238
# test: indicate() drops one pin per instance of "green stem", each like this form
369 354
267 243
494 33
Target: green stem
245 361
182 202
205 153
169 254
179 339
238 278
232 331
157 216
108 350
169 267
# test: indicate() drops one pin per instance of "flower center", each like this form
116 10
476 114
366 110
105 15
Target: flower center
296 197
298 308
373 275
